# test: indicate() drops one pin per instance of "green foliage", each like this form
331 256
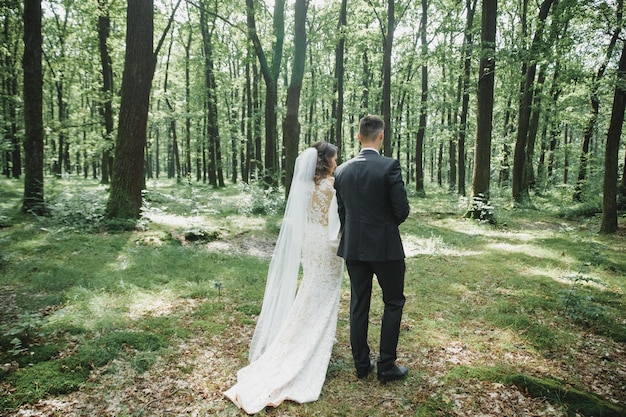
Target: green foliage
481 210
588 208
257 199
578 305
77 208
20 335
62 376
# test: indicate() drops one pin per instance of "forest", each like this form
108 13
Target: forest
147 149
519 96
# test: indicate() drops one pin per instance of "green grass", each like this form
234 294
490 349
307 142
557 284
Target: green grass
515 306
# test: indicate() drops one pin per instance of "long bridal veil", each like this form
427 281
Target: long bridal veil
282 276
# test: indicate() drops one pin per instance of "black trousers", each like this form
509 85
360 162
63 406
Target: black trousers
390 276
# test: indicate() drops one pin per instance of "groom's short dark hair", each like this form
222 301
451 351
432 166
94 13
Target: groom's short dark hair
370 126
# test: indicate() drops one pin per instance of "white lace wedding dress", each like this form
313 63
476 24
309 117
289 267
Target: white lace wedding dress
293 366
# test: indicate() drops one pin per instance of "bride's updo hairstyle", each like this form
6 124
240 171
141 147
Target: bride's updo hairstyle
325 151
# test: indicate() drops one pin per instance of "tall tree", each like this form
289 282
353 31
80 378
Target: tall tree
9 81
386 93
336 136
173 155
270 73
291 124
520 194
464 84
594 101
216 173
58 57
484 114
106 106
609 198
33 110
421 130
139 65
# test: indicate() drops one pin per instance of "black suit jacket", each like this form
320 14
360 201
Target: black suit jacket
372 204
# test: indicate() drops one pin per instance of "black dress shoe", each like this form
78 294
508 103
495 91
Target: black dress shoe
393 374
363 373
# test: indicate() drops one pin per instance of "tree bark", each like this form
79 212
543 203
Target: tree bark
174 170
270 75
468 42
216 174
33 108
520 194
421 130
291 124
484 118
386 92
594 101
10 81
128 166
106 107
336 136
609 199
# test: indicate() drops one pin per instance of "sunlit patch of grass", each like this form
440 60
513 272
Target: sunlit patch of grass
434 245
532 251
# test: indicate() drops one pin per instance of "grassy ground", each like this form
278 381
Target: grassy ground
524 318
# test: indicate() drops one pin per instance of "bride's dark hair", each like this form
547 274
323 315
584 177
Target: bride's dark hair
325 151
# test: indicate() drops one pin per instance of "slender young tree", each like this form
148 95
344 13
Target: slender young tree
58 66
270 73
336 135
33 110
464 84
520 194
484 114
216 171
421 130
9 79
594 101
609 197
291 124
106 106
386 97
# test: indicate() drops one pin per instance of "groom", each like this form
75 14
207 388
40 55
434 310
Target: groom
372 203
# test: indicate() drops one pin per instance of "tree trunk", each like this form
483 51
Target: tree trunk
216 178
250 158
609 199
505 167
533 129
566 140
128 166
421 130
386 98
482 152
9 76
468 41
33 109
187 171
595 106
520 194
337 110
174 154
291 124
621 192
270 75
106 107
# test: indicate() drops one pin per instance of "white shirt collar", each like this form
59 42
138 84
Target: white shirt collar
371 149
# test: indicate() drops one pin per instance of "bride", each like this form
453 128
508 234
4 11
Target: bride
294 336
